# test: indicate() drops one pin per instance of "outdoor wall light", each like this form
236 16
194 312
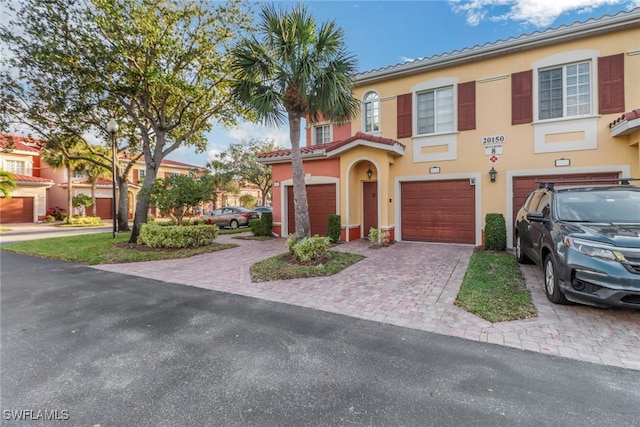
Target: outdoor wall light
369 171
435 169
492 174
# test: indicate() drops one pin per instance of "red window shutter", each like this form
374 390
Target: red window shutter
611 84
404 115
467 106
135 176
522 97
167 174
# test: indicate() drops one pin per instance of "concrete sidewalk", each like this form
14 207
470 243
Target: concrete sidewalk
412 285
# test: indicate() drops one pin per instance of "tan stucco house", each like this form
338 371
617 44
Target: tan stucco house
556 104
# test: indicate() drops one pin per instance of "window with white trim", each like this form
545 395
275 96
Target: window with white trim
435 111
322 134
371 112
565 91
16 166
79 174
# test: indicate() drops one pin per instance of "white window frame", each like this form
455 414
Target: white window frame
11 165
371 98
437 108
565 114
318 126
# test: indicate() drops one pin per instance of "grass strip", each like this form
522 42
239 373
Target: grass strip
282 267
494 288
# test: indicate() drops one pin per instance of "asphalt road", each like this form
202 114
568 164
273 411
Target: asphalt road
106 349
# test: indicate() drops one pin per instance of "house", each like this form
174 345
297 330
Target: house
441 141
20 156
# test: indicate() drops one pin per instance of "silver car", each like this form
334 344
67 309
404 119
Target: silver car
230 216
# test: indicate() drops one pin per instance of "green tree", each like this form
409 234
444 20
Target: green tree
242 161
177 194
82 201
224 179
94 171
296 69
7 184
160 64
248 201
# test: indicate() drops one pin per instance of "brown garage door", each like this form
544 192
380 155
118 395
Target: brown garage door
16 209
322 203
438 211
524 185
104 208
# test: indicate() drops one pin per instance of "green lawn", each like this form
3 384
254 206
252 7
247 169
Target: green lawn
100 248
494 289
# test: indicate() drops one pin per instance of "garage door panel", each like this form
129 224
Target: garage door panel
438 211
16 210
321 199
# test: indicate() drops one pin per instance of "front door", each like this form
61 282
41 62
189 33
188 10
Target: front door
369 206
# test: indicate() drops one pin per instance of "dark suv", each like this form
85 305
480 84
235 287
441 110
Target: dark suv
586 239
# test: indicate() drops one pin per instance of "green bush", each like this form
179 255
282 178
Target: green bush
379 237
311 249
495 232
333 229
50 218
292 239
86 220
172 236
256 226
267 223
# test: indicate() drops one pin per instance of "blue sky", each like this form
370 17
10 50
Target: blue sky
384 33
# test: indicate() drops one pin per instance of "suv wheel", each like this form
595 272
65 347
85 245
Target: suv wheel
520 256
551 287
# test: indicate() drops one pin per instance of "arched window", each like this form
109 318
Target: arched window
371 112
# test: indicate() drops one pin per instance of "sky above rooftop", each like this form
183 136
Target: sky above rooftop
386 33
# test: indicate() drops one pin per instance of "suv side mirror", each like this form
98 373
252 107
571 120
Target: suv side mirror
536 216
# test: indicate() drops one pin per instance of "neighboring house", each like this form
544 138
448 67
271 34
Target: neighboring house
28 203
104 194
562 103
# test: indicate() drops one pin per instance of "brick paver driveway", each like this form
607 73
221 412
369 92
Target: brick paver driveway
412 285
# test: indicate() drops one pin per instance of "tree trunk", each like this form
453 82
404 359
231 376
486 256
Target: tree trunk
123 204
94 208
301 206
142 202
69 193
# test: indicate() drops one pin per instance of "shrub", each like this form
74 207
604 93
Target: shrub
267 223
495 232
378 237
292 239
57 213
256 226
311 249
157 236
85 220
151 218
333 229
50 218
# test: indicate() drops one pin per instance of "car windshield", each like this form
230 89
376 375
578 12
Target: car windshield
612 206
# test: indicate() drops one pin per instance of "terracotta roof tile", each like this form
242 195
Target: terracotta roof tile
27 178
20 143
331 146
631 115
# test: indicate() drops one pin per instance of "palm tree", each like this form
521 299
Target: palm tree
7 183
94 172
298 69
57 160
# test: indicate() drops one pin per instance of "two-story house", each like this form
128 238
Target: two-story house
20 157
441 141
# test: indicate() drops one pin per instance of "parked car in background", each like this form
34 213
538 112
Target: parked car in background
263 209
587 241
230 216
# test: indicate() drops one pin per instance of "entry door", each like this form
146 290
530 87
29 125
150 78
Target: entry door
369 206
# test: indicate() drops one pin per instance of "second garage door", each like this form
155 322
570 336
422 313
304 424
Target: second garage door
322 203
16 209
104 208
438 211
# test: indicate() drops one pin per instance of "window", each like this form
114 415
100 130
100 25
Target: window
322 134
174 173
79 174
16 166
371 112
435 111
565 91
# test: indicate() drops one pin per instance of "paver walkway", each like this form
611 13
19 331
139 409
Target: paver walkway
412 285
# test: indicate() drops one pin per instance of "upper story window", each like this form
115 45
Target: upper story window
79 174
16 166
371 112
174 173
565 91
435 111
322 134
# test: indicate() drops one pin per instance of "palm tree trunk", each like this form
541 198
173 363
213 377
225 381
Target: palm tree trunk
123 204
300 203
94 208
69 193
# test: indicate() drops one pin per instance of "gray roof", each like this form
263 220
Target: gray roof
593 26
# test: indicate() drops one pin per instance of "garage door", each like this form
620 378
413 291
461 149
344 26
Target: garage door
104 208
438 211
524 185
322 203
16 209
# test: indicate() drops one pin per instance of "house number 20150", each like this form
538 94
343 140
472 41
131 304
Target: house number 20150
494 139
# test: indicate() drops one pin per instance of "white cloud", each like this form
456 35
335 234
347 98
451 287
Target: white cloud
541 13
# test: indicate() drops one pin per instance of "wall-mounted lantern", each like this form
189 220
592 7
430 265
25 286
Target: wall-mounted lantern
369 171
492 174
